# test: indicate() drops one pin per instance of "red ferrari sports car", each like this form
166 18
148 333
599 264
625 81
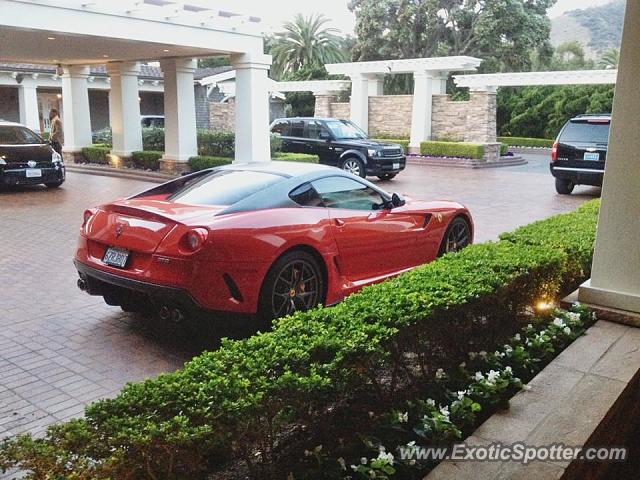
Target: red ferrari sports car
266 238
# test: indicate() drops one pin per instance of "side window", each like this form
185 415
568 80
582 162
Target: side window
306 196
314 129
297 129
281 127
343 192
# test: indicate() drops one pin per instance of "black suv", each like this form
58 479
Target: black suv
340 143
579 153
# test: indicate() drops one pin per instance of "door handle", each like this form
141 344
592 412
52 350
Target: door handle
339 222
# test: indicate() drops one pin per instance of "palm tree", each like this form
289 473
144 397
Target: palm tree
610 59
305 42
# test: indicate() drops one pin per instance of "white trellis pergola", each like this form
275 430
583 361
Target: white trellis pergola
491 81
73 34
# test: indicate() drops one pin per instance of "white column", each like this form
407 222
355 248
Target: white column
28 103
252 107
421 110
440 85
124 108
360 100
376 85
615 276
180 136
76 118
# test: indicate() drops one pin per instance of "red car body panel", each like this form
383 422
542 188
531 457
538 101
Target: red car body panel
356 248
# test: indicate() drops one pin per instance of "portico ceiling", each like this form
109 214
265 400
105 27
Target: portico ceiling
80 32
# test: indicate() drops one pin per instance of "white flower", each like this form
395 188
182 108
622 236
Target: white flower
508 369
492 376
412 462
382 449
472 355
439 373
479 376
573 316
363 460
354 468
498 354
412 443
558 322
566 330
431 402
577 304
529 326
462 365
403 417
445 411
386 456
343 465
516 337
482 354
461 394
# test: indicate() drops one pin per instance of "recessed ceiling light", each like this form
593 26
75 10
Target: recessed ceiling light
105 56
51 38
166 50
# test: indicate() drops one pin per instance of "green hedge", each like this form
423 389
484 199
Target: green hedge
400 141
241 401
452 149
96 154
526 142
147 160
201 161
504 149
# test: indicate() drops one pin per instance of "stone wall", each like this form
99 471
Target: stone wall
340 110
222 116
202 107
390 114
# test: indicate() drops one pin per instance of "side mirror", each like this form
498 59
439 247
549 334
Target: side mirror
397 200
324 136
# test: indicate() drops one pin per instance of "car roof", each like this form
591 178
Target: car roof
6 123
594 117
285 169
311 118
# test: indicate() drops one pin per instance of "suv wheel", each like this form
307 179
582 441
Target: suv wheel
564 186
354 165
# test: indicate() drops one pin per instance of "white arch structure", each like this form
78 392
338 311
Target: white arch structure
73 34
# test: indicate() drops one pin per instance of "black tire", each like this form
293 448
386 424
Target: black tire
457 236
54 184
387 176
564 186
295 282
354 165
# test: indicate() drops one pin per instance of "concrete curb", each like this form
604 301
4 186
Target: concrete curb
131 174
465 162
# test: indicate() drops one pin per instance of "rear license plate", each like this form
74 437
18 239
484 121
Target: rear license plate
33 172
116 257
592 156
396 166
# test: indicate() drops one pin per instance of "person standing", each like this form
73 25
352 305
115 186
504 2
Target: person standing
56 135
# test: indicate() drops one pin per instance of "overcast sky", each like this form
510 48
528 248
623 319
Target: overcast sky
275 12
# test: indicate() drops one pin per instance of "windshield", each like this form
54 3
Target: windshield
585 132
224 187
13 135
345 130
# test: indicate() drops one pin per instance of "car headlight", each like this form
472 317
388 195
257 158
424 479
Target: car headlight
56 157
372 152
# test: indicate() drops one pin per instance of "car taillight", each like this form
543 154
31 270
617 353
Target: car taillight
194 239
554 152
87 216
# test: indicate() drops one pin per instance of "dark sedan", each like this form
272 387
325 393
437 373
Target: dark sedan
26 159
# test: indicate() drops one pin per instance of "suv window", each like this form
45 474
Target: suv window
314 128
306 196
281 127
297 129
585 132
343 192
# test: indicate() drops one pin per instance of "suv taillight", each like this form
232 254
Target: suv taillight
554 152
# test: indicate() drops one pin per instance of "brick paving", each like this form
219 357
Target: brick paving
60 348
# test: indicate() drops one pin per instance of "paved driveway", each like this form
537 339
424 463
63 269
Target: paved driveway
60 348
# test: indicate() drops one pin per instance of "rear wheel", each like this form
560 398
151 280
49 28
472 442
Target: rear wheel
294 283
387 176
354 165
54 184
457 236
564 186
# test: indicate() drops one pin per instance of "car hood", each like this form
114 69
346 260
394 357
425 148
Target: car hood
24 153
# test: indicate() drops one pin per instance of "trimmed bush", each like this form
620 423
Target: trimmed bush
295 157
96 154
526 142
400 141
377 347
397 136
216 143
153 139
452 149
147 160
202 162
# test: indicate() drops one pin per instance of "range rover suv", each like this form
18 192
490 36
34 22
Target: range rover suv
342 144
580 151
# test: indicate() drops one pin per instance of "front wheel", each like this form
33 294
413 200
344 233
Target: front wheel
564 186
457 236
54 184
387 176
354 165
294 283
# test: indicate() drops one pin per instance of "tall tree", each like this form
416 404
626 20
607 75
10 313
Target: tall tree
501 32
610 59
304 42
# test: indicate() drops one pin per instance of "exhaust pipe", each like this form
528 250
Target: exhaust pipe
165 313
82 285
177 316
